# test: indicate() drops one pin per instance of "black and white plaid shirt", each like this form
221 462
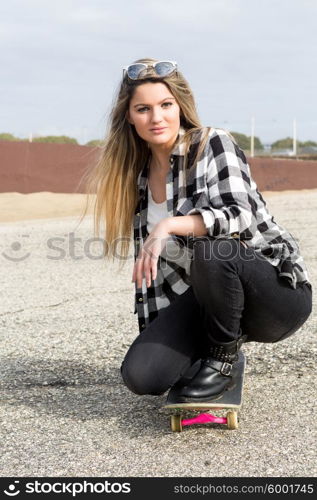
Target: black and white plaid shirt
221 189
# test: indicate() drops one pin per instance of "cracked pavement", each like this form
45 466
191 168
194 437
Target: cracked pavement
66 320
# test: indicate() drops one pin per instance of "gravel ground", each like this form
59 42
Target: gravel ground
66 321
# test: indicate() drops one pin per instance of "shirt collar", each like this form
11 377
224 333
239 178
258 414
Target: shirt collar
179 146
178 150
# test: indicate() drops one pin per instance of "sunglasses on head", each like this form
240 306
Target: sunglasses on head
161 68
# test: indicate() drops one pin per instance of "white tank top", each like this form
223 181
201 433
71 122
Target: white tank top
172 251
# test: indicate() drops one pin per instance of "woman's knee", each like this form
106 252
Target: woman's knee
269 334
302 317
130 381
139 379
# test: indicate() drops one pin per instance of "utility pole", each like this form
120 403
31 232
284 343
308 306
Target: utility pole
252 136
84 134
294 138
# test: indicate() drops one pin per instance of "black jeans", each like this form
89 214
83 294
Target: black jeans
233 291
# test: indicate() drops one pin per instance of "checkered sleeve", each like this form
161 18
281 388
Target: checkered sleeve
229 210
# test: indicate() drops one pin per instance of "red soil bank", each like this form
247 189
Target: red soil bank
32 167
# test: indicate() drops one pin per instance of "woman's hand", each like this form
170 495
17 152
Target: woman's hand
146 262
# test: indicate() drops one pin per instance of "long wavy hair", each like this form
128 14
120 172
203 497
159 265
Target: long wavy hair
112 180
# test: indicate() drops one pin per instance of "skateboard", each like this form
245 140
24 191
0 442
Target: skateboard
231 401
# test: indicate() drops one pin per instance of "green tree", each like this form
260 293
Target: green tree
244 141
257 143
307 144
94 143
57 139
5 136
286 143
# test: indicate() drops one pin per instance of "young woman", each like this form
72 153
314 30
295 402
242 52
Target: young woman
212 268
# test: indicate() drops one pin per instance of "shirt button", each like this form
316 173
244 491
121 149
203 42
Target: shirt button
138 214
171 160
143 326
140 299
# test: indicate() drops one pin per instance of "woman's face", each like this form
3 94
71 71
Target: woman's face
155 113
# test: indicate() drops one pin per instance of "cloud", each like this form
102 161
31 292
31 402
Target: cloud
61 61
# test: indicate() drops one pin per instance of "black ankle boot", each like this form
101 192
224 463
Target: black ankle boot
216 374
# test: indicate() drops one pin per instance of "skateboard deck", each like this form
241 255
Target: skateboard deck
231 400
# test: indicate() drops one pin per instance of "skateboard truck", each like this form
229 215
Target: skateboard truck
231 420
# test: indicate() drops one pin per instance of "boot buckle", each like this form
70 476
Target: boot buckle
226 369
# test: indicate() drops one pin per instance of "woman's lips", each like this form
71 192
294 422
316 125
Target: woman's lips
158 130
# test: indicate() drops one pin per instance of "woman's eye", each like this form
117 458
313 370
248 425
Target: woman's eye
141 110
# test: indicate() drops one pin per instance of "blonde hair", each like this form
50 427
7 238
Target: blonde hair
123 153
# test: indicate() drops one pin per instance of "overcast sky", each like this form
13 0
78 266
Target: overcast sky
61 61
